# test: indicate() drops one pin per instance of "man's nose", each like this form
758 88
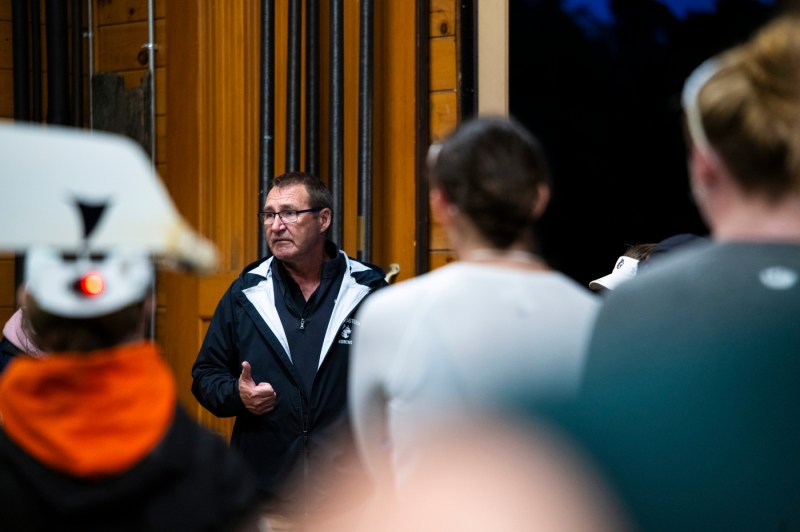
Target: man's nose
277 223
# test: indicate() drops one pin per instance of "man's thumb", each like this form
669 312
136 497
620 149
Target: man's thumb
246 371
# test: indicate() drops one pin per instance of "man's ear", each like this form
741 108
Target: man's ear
325 219
441 207
542 200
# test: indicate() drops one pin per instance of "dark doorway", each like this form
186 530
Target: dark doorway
599 82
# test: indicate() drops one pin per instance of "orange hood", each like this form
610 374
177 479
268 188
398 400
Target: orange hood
89 414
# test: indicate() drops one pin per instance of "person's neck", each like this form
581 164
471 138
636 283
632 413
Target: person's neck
307 273
517 256
757 221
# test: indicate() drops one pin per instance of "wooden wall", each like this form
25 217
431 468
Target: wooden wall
207 71
444 95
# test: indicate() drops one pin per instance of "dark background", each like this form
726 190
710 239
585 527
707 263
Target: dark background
601 88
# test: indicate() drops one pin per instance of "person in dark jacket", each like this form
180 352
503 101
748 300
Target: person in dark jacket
276 356
92 436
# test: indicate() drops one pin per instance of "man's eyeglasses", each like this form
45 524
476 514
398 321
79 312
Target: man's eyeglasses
287 217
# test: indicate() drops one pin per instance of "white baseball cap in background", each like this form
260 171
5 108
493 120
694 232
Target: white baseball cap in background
91 215
624 269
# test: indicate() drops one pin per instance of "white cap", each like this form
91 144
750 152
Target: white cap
624 269
86 286
78 201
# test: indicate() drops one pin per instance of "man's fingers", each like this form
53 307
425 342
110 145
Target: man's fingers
264 388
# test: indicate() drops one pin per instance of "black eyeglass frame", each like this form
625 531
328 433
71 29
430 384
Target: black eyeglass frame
280 214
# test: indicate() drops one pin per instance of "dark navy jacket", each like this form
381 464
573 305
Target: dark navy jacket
303 449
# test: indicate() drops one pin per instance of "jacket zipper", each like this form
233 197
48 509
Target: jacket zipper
306 458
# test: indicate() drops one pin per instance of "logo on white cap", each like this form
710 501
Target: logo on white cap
624 269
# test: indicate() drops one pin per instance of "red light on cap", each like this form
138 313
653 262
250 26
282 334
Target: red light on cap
92 284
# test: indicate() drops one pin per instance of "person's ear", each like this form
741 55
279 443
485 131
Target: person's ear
441 207
704 173
325 219
542 200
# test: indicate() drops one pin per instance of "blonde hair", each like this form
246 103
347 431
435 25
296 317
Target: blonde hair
750 109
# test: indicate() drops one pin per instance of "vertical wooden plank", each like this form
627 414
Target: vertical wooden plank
443 18
212 97
6 93
395 142
443 71
7 292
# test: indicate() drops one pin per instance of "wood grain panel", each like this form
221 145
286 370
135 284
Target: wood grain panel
395 136
212 288
161 139
215 132
6 55
438 237
351 45
444 114
441 258
178 334
117 47
134 78
5 314
160 321
443 64
443 18
7 291
120 11
6 93
5 9
212 97
444 108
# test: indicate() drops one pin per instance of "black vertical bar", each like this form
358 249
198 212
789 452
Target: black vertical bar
293 88
21 59
336 155
468 37
22 102
36 62
57 62
312 86
266 156
77 63
423 136
365 72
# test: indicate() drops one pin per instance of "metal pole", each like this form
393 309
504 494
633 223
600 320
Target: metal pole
36 62
422 262
266 158
21 59
151 84
365 131
336 152
312 86
77 64
90 52
57 63
22 103
151 67
293 88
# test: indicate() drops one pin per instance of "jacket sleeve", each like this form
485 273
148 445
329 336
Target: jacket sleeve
215 373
